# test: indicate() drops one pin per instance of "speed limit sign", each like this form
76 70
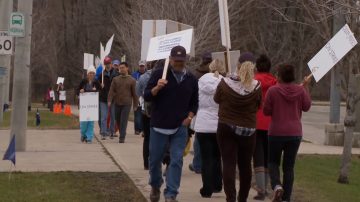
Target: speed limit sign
6 43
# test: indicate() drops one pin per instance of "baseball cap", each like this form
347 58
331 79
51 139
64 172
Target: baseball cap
116 62
178 53
142 63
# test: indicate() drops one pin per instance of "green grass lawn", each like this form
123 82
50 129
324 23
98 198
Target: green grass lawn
69 187
316 180
49 120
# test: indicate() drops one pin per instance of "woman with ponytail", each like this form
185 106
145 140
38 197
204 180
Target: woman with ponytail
206 127
239 98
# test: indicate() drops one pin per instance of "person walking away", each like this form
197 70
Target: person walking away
174 104
285 103
105 82
88 85
122 93
146 111
138 114
203 69
206 127
263 66
239 98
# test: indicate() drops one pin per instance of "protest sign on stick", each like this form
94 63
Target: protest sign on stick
153 28
160 47
332 53
60 80
225 29
223 56
88 60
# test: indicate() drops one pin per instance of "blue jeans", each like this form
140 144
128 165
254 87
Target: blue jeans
87 129
103 118
158 143
196 163
138 120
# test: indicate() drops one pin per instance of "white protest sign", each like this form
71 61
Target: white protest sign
88 60
60 80
160 47
332 52
234 57
89 106
224 23
6 43
52 94
153 28
62 95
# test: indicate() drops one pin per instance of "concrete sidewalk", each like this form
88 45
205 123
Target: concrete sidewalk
57 150
129 157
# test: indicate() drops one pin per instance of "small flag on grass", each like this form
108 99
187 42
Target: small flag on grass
10 152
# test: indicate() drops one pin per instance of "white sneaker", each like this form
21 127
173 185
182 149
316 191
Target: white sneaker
279 191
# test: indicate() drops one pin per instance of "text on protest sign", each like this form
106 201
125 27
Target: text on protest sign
161 46
89 106
332 53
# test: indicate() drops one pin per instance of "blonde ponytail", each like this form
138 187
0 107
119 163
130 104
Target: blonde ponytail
217 67
245 71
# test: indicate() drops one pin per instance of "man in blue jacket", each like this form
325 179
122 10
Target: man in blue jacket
174 104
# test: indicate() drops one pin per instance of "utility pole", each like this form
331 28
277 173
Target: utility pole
21 78
6 7
334 129
335 98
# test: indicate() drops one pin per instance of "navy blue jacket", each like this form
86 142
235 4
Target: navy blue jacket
174 102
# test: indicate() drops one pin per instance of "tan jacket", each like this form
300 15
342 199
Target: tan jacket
122 91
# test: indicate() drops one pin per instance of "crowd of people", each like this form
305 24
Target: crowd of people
247 119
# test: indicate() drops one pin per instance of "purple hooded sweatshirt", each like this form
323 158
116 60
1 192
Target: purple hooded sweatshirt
285 104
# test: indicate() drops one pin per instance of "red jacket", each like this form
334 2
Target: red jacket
267 80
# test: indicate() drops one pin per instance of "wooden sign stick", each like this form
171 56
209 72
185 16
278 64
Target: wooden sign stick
166 67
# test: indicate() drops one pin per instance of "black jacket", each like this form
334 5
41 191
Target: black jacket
83 83
174 102
108 77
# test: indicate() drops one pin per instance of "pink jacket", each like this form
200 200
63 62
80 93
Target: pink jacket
285 104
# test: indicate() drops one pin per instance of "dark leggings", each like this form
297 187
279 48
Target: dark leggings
146 130
235 150
261 151
210 155
287 147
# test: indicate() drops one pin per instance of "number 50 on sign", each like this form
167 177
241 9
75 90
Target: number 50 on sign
6 43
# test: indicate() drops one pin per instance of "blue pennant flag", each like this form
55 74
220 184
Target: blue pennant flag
10 152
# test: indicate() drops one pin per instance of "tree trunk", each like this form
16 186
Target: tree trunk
349 122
